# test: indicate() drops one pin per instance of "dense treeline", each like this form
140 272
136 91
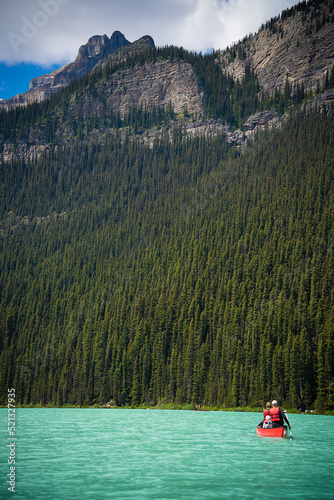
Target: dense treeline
184 272
308 8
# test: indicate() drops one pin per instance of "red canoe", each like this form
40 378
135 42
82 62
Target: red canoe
279 432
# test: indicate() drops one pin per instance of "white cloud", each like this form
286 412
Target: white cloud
51 31
219 23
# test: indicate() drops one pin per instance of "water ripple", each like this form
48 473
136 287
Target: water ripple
140 454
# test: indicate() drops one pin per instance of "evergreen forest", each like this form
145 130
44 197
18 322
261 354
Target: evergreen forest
184 271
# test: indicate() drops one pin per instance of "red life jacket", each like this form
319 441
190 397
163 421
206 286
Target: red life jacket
274 414
265 413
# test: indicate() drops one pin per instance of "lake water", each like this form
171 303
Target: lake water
158 454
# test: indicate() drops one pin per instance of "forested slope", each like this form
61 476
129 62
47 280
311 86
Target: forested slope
186 271
142 265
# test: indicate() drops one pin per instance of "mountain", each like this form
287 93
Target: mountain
89 55
296 47
151 253
239 91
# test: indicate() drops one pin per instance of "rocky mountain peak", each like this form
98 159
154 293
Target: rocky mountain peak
42 87
95 46
101 46
88 56
128 50
117 40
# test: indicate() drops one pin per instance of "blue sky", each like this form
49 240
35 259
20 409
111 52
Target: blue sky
38 36
15 79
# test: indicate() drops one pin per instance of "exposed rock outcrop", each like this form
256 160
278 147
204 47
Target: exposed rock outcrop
154 84
296 48
263 121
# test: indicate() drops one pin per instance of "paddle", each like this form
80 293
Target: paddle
286 414
291 436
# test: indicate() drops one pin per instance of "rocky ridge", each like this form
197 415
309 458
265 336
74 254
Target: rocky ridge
151 84
42 87
298 48
294 48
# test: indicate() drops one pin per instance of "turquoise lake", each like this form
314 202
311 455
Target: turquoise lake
160 454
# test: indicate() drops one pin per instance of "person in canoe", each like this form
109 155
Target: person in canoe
267 423
277 416
265 414
266 410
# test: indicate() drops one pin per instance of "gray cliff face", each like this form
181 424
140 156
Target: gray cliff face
42 87
296 48
152 85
